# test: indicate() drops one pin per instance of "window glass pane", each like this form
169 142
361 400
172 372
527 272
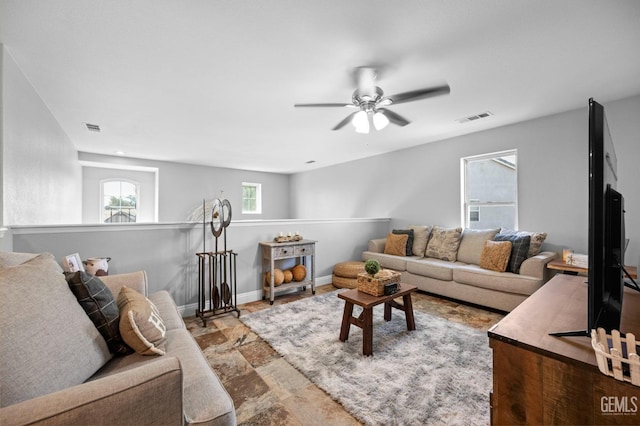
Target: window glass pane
251 198
490 191
119 201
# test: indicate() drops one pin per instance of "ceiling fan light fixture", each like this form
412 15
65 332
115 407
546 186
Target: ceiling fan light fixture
361 121
380 121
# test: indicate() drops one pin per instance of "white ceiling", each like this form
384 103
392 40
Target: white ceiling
213 82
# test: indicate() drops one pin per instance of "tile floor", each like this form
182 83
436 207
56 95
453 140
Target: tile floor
266 390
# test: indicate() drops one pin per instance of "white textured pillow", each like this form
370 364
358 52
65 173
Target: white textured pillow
140 324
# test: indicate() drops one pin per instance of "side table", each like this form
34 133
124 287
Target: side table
300 250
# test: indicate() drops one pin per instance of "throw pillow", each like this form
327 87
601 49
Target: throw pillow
409 232
140 324
420 239
519 249
495 255
472 244
98 302
444 243
537 238
396 244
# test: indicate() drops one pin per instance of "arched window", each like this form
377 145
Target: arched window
119 200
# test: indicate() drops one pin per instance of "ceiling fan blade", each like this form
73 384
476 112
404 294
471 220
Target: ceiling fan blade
342 105
394 118
415 95
347 119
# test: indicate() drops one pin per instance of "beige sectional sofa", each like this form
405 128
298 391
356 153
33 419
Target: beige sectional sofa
460 276
57 368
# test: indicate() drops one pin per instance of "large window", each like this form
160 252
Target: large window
490 191
119 201
251 198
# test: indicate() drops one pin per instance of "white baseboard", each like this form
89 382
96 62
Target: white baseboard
250 296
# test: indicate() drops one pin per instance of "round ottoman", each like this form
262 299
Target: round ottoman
345 274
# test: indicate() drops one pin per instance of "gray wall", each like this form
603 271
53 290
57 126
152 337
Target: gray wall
42 178
422 185
183 186
168 251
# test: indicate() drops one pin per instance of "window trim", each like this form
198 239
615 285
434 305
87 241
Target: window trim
466 203
258 187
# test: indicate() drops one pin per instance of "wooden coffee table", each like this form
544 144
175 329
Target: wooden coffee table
365 320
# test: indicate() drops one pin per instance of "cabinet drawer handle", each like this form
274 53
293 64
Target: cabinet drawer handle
304 249
284 251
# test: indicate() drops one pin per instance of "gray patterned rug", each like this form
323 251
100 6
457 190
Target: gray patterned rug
437 374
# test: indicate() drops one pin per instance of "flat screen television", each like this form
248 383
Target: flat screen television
606 230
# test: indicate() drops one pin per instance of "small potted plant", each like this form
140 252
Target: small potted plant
374 278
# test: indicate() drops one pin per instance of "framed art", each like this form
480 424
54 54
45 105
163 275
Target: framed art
72 263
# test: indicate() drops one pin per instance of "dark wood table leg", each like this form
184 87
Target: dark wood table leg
367 332
346 321
387 311
408 311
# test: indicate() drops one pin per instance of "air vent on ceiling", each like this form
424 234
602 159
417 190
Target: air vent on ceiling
92 127
475 117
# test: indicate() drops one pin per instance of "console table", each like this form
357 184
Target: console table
299 250
560 265
541 379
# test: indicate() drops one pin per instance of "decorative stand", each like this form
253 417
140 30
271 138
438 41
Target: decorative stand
217 289
217 293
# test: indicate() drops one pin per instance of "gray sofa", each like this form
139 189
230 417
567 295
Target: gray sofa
462 278
56 368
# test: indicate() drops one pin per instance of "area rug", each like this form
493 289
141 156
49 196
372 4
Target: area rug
438 374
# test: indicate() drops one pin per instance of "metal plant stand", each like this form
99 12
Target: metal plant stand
217 283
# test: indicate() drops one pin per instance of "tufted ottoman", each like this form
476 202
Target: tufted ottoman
345 274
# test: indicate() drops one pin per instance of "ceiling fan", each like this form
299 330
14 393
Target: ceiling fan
370 101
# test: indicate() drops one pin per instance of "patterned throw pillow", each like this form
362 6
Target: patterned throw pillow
519 249
495 255
444 243
537 238
396 244
420 238
140 324
409 232
98 302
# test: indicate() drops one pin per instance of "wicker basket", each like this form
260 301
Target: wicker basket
375 286
610 354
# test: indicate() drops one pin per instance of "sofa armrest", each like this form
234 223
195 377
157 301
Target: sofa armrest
536 266
149 394
134 280
377 245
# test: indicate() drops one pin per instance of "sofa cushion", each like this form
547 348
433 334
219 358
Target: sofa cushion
495 255
396 245
41 357
433 268
167 308
141 326
444 243
409 233
519 249
420 239
389 261
472 244
98 302
499 281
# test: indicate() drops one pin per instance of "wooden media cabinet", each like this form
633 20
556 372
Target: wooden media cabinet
544 380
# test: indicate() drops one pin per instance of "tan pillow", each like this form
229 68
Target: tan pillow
472 244
444 243
396 244
495 255
420 239
140 324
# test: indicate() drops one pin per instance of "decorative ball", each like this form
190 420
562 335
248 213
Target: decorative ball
278 277
299 272
288 275
372 266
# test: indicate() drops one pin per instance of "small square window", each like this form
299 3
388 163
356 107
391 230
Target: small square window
251 198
